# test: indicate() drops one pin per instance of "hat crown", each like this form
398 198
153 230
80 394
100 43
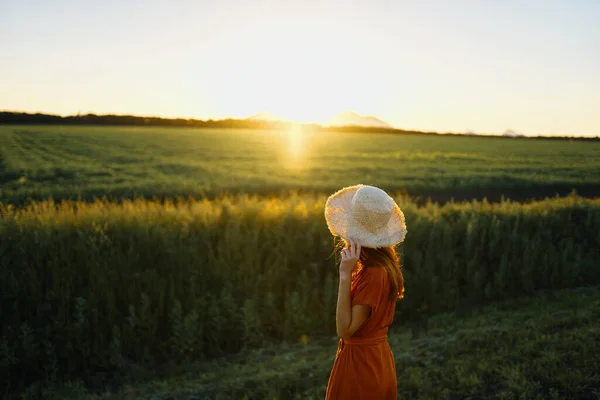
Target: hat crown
365 214
372 207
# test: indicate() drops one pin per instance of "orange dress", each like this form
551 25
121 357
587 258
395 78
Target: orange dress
364 366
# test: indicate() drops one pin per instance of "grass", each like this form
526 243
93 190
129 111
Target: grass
99 291
67 162
544 346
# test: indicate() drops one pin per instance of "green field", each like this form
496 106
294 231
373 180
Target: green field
93 161
130 286
541 347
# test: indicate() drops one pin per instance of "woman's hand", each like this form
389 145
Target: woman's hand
350 256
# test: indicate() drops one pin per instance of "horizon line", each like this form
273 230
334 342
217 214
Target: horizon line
467 132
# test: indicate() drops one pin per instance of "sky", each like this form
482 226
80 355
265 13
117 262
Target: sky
532 66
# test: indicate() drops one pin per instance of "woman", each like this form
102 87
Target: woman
370 224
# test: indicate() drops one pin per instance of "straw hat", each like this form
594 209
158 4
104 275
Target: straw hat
366 214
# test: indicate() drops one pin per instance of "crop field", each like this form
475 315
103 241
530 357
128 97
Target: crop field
71 162
186 263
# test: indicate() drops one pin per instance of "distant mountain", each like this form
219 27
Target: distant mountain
511 133
350 118
347 118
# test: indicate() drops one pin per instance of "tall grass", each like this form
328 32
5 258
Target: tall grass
91 289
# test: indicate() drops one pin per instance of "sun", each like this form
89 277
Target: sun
301 108
298 104
297 74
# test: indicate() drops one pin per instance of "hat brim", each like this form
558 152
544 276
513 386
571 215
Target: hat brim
341 223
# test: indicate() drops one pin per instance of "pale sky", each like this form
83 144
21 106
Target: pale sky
448 66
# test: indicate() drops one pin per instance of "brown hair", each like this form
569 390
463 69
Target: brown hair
384 257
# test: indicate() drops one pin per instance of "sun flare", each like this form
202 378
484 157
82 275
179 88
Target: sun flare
295 142
294 147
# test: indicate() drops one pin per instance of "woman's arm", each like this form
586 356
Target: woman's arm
348 319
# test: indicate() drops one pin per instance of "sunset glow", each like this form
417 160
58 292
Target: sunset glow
484 66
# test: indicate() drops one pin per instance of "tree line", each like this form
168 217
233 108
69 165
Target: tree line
18 118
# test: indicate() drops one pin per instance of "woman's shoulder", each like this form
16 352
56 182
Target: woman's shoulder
372 279
373 272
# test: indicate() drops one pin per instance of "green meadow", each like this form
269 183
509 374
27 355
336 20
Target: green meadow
71 162
538 347
181 263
